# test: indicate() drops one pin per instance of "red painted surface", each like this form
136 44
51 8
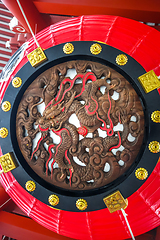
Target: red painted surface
45 12
6 13
4 198
35 19
5 17
23 228
158 234
18 28
144 10
141 42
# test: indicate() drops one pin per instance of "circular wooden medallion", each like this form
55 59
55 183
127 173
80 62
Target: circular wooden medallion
84 126
80 130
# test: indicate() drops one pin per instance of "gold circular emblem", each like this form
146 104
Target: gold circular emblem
95 48
16 82
121 59
6 106
81 204
30 186
156 116
68 48
3 132
53 200
141 173
154 147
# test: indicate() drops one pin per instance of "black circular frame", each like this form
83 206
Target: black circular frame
127 184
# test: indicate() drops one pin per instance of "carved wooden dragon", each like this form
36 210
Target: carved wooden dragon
96 111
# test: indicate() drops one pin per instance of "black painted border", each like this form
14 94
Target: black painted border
127 184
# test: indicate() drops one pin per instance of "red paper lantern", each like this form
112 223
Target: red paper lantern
142 43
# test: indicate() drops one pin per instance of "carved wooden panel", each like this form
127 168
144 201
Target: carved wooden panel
80 125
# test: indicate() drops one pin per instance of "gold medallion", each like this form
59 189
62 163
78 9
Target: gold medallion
16 82
156 116
36 57
68 48
8 162
121 59
53 200
3 132
6 106
141 173
81 204
115 202
154 147
95 48
149 81
30 186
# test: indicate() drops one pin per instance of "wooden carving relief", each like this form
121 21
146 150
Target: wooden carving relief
80 125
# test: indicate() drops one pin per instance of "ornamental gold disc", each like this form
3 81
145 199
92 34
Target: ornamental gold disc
154 147
16 82
6 106
121 59
30 186
156 116
81 204
68 48
53 200
141 173
95 48
3 132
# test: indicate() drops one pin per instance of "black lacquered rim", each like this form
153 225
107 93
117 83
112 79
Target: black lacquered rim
127 184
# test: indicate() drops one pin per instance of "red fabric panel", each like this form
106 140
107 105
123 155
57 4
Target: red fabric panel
142 43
